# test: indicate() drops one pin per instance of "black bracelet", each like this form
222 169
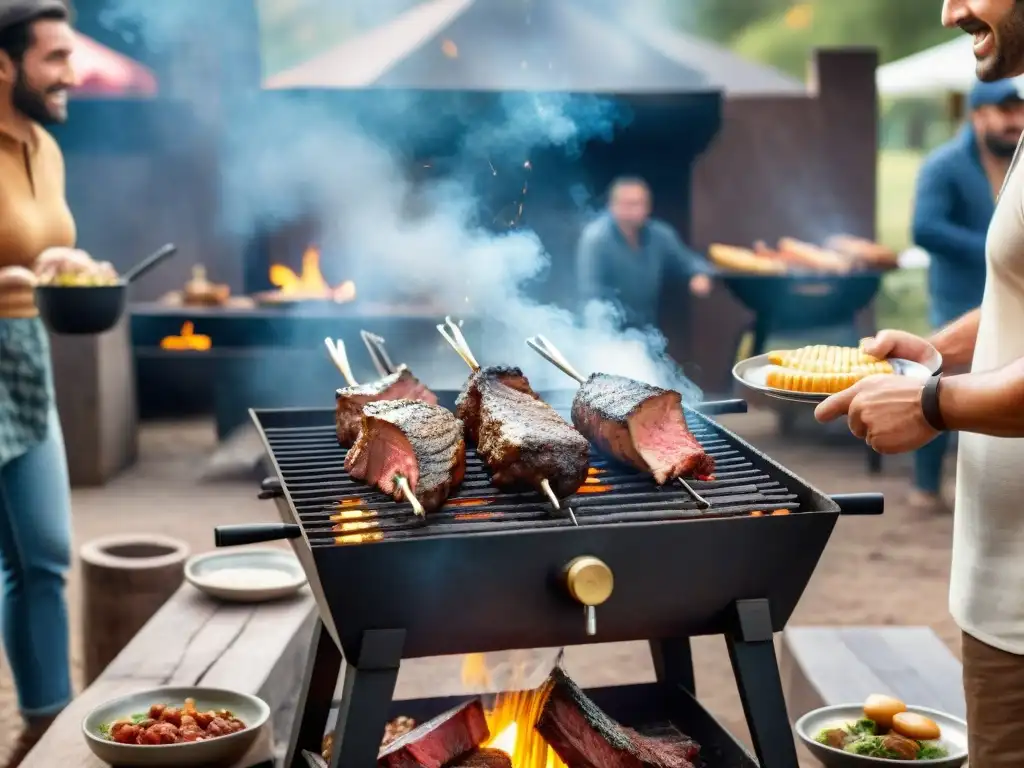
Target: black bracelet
930 403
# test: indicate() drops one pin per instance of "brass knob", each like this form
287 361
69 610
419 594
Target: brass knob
590 581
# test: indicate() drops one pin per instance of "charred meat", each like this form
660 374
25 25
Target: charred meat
640 425
440 741
412 439
349 402
585 737
522 439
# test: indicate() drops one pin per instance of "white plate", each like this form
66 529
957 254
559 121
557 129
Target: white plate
284 574
954 738
753 372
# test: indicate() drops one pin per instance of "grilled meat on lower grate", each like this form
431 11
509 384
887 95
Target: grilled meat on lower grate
440 741
640 425
523 439
412 439
349 402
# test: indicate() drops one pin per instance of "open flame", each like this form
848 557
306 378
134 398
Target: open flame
188 339
512 718
310 281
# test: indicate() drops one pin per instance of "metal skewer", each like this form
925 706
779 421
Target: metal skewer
336 349
417 508
378 354
549 352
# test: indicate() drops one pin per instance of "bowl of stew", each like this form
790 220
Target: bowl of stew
175 726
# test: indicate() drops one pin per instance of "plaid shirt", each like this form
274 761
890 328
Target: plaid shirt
26 386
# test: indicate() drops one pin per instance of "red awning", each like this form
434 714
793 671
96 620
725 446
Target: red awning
104 72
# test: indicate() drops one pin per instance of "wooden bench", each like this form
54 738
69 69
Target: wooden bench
192 640
822 666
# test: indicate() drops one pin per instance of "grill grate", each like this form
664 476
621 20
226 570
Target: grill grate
335 509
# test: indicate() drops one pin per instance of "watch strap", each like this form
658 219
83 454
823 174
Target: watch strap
930 403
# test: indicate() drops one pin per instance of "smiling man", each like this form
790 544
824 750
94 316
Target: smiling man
896 414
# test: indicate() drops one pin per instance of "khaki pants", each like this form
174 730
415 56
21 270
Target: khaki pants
994 687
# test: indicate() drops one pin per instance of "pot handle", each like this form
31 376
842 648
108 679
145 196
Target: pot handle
254 533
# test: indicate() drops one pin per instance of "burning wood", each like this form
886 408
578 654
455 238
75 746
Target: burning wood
522 439
440 741
308 284
585 737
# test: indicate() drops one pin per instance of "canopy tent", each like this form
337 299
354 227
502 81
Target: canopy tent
560 45
946 68
102 72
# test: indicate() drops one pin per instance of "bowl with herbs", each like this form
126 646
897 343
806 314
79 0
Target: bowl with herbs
883 730
178 727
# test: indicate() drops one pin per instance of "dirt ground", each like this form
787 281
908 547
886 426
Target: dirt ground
888 570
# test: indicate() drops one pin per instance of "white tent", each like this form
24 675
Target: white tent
946 68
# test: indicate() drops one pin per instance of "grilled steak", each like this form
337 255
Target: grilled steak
522 439
640 425
349 402
409 438
585 737
440 741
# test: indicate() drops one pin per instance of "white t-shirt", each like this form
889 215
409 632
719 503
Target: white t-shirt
986 595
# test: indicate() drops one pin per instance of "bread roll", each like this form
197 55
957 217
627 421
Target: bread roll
882 709
915 726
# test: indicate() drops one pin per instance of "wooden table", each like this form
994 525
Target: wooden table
193 640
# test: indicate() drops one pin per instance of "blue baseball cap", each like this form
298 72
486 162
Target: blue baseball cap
993 94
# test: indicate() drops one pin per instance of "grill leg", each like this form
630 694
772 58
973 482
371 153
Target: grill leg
673 663
366 699
752 653
323 666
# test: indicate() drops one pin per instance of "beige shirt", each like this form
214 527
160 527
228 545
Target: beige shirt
986 594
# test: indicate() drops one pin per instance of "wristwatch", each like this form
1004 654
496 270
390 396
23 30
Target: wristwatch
930 403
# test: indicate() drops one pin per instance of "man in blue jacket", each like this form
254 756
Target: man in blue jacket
956 194
623 256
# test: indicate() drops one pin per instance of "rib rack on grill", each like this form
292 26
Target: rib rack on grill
640 425
522 439
400 384
409 449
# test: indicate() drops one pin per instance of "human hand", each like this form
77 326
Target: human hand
899 344
884 411
17 276
700 285
61 260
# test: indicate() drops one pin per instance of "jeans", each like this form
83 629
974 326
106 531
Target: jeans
35 553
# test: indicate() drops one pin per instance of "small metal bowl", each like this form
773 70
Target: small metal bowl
225 750
81 310
954 738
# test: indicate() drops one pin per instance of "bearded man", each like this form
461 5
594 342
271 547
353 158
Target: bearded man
895 414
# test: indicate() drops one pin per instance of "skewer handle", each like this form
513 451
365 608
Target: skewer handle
379 356
468 359
546 487
543 347
336 349
702 503
403 483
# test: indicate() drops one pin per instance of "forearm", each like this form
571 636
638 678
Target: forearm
989 403
957 340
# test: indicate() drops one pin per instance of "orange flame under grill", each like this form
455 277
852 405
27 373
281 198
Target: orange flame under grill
187 340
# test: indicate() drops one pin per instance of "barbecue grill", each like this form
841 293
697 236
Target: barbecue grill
494 571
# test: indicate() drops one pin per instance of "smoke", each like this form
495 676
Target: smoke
288 157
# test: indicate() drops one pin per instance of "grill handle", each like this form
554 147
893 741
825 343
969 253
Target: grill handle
860 503
270 488
721 407
253 533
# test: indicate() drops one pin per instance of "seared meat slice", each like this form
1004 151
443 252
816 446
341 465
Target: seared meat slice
409 438
585 737
523 439
640 425
349 402
440 741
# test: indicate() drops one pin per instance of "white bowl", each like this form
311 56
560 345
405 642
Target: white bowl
287 576
224 750
954 738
